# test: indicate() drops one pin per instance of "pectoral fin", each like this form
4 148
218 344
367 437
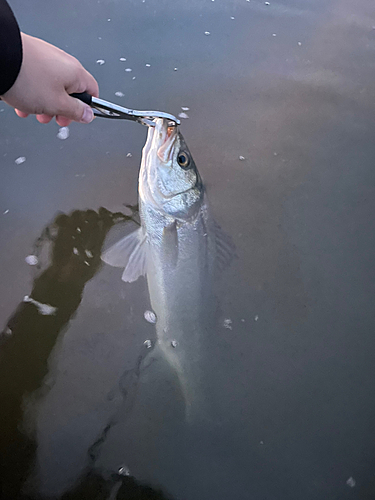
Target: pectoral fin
130 253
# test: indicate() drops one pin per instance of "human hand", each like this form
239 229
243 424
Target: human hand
47 76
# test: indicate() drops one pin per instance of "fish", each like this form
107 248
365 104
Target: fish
178 248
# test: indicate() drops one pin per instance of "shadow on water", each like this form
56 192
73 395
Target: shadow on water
74 243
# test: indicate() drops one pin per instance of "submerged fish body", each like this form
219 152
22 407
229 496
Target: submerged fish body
176 247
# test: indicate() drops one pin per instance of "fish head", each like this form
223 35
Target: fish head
169 179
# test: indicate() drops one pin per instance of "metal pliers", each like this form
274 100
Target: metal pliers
106 109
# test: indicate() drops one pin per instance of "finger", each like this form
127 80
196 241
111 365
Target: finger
75 110
83 82
91 84
21 114
44 118
63 121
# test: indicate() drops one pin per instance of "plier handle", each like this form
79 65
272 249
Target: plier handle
106 109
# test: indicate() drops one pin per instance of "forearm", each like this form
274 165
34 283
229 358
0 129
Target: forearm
10 48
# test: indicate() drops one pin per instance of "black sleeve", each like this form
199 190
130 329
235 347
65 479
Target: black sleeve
10 48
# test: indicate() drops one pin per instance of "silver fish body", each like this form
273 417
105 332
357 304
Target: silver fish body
179 271
177 248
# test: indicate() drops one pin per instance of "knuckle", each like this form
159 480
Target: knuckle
80 80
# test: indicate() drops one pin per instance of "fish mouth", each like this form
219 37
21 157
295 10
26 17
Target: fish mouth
166 136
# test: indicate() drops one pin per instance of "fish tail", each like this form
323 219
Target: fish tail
190 385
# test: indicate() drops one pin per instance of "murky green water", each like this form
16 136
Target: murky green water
288 86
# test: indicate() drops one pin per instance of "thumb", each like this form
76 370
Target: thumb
76 110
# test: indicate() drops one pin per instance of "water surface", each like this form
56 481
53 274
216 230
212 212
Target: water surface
288 86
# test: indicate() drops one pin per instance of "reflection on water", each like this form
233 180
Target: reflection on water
71 246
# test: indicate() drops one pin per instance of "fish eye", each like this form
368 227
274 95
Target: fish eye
183 160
